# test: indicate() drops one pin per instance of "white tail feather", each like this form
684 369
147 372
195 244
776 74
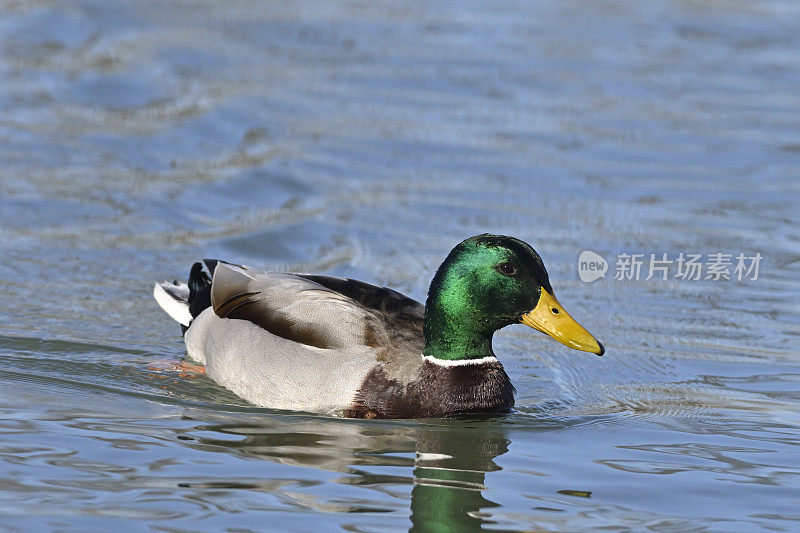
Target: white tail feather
173 304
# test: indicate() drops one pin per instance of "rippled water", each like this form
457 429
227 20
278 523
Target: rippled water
363 139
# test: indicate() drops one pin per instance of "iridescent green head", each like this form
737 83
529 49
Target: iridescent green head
486 283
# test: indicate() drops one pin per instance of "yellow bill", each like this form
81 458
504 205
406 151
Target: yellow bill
550 318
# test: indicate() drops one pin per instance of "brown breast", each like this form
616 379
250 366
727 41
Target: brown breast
437 391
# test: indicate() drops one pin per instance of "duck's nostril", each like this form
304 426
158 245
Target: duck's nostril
555 311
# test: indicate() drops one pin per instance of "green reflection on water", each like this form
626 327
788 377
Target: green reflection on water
450 474
448 459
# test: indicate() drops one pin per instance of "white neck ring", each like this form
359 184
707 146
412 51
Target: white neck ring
459 362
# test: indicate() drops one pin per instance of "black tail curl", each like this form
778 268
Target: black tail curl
199 290
200 286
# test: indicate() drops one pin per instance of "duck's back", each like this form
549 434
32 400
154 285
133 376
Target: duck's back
303 342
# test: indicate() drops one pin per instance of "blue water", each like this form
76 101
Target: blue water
366 139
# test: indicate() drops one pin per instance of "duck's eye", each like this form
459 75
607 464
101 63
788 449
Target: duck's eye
506 269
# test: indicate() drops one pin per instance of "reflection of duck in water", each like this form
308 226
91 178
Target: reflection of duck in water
320 343
444 462
450 473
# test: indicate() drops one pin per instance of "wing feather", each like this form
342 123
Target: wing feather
296 308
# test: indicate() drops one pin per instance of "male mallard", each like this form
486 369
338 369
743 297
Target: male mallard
322 343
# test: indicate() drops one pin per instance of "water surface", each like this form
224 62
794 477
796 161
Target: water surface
365 140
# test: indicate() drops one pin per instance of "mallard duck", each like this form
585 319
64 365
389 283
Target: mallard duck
322 343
